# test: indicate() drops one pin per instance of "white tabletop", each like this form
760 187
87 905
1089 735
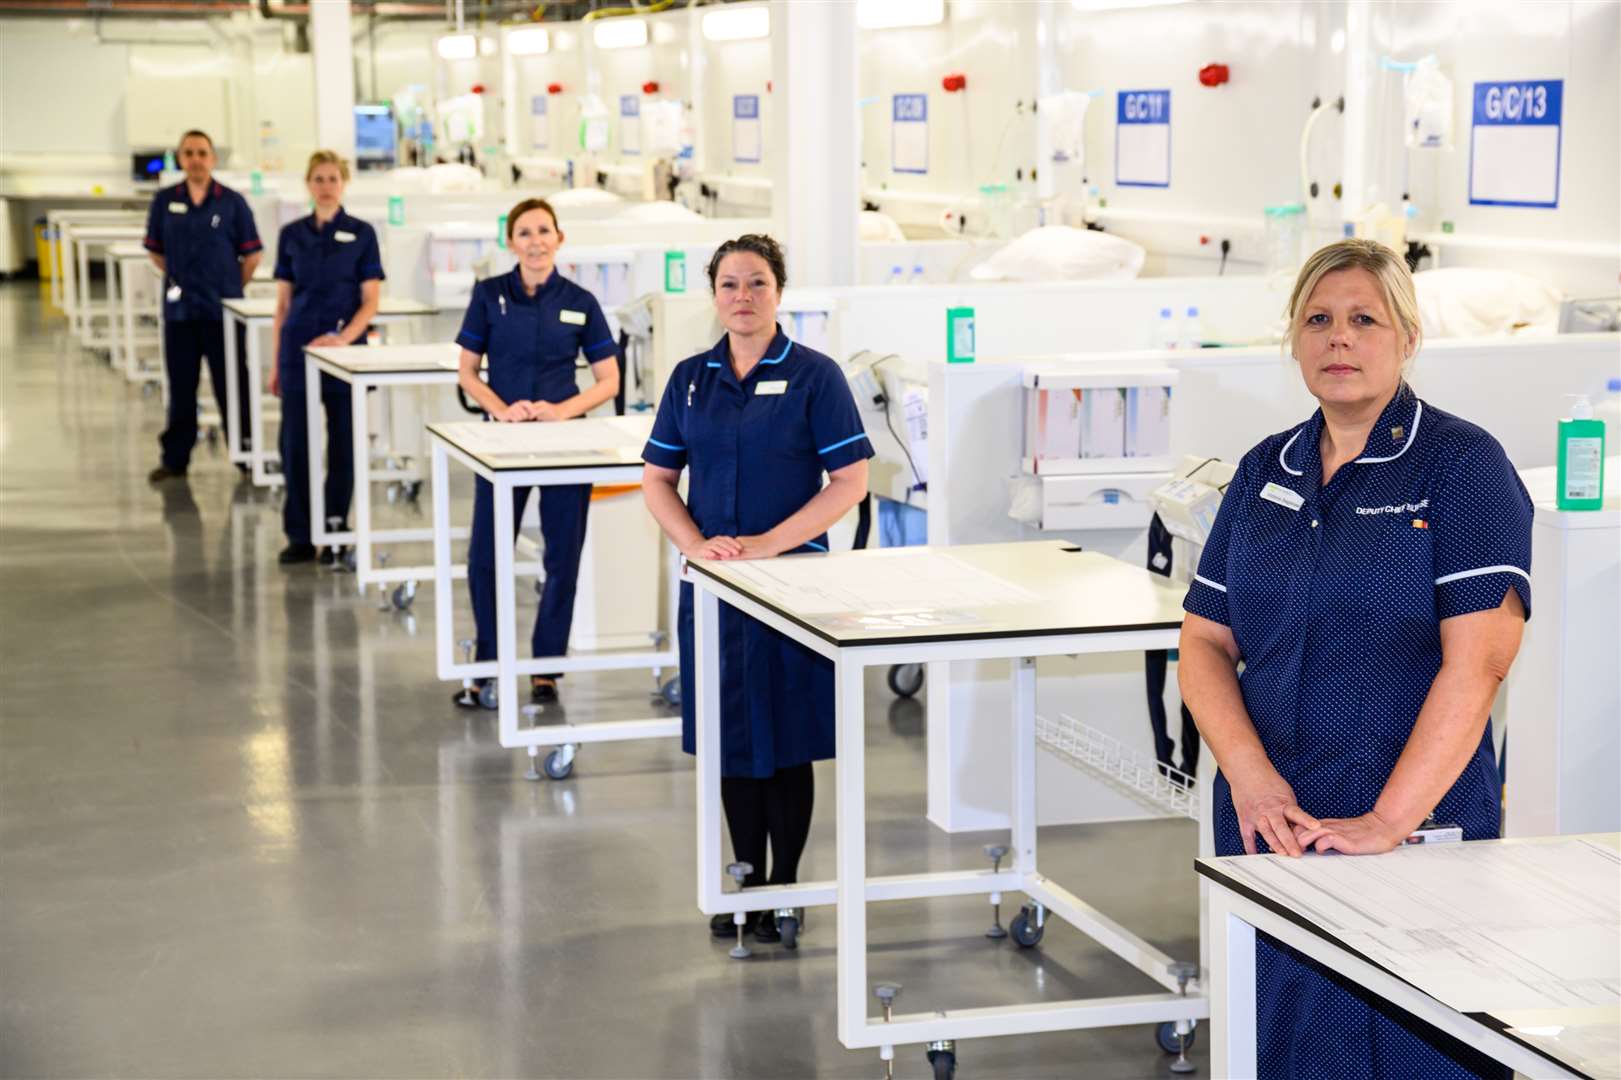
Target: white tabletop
264 307
1522 935
598 442
899 595
390 359
102 232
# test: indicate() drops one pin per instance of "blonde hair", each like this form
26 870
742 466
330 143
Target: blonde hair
1388 269
326 157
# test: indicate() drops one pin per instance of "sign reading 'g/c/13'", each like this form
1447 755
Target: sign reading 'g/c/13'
1142 138
1514 143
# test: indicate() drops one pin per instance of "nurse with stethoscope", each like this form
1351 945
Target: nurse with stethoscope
1371 570
531 324
756 422
329 281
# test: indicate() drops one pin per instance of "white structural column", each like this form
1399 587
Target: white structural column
814 146
332 50
1359 184
697 90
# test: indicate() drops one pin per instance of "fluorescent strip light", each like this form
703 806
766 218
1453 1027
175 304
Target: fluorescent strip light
892 14
737 24
1091 6
620 33
458 47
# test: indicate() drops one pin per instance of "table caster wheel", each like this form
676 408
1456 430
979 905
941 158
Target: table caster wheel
905 680
1024 930
788 927
489 696
560 762
347 559
403 595
944 1062
1165 1035
671 693
413 490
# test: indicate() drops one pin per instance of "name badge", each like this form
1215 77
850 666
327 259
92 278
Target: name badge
779 386
343 237
177 208
1277 493
577 318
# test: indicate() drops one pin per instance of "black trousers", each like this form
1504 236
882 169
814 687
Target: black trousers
185 346
774 811
1155 660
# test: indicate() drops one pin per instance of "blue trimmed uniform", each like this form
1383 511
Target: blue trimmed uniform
202 245
756 457
531 343
326 265
1336 605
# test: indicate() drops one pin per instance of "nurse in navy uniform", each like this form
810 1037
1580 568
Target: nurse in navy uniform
532 325
757 421
329 281
200 235
1370 569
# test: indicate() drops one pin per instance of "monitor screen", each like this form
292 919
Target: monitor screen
374 137
146 166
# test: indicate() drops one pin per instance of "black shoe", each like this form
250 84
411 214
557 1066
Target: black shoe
326 557
725 926
244 472
765 927
296 553
162 473
542 693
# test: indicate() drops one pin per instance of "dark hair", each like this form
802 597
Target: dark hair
755 244
195 134
524 207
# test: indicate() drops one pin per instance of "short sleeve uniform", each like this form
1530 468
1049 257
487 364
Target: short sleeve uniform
202 247
326 265
1335 596
532 341
756 451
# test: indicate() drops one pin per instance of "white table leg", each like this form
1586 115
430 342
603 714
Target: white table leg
126 301
1023 809
258 455
1232 991
360 444
233 395
506 631
706 722
109 270
444 618
851 830
314 443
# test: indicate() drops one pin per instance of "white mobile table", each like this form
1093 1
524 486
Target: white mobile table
604 450
1512 946
864 609
257 313
127 264
364 368
64 278
83 309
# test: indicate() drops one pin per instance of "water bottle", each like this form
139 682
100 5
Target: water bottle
1192 330
896 275
1164 336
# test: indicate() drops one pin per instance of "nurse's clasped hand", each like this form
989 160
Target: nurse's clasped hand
734 547
1266 808
1369 834
325 341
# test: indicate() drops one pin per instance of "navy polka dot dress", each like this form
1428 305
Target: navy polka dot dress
1335 595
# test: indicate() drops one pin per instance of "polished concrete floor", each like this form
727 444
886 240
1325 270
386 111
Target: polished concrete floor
243 832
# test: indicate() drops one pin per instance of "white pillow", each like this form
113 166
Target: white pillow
655 213
1466 301
1062 253
583 197
880 228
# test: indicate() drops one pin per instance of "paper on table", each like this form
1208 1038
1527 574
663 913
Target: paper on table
1480 927
538 439
923 585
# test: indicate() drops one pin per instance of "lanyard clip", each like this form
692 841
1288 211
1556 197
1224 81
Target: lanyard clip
691 386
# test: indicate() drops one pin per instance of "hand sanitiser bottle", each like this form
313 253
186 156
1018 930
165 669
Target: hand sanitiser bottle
1581 458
